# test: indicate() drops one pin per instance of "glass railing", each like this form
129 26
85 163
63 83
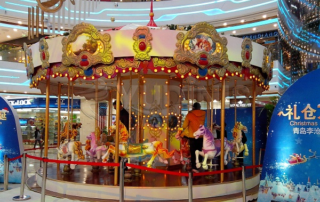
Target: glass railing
12 55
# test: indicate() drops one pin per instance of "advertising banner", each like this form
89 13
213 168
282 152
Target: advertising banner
291 167
10 141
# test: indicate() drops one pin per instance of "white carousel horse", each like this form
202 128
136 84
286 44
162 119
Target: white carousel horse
211 147
141 150
70 148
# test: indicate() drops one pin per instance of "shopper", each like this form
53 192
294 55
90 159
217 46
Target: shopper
193 121
124 114
37 137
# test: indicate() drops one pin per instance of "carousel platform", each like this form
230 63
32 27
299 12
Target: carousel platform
83 184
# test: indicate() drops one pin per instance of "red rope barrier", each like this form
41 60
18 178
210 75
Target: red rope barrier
157 170
34 157
15 158
37 148
253 166
217 172
81 162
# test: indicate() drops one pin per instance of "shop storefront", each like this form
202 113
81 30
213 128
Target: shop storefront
31 112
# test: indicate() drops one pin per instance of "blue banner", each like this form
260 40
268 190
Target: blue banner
41 103
292 159
10 141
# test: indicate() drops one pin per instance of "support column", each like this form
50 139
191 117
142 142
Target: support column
46 138
223 95
235 101
96 112
116 157
212 93
130 105
168 112
110 109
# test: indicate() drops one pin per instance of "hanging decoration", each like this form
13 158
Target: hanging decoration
142 43
246 53
28 60
44 53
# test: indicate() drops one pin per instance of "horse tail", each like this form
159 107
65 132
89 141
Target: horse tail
78 150
164 153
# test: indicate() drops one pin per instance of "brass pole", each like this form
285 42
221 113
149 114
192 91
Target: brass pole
130 104
110 108
180 102
29 23
72 104
188 94
253 122
212 91
32 23
235 101
37 21
116 171
168 111
59 113
192 87
46 138
96 111
208 107
42 22
140 107
68 110
223 95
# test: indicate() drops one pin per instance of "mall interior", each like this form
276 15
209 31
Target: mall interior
64 63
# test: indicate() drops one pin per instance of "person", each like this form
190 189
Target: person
37 136
124 114
193 121
244 141
219 132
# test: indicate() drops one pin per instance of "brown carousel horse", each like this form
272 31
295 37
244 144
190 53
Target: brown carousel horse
72 133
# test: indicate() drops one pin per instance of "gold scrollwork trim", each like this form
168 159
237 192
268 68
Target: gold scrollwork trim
44 53
107 69
142 45
267 63
103 53
183 69
244 46
168 62
181 55
41 73
123 63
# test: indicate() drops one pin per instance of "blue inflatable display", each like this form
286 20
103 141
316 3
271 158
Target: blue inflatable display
10 141
291 167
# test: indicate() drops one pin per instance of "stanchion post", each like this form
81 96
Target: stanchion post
190 182
259 157
22 197
121 183
243 185
44 179
6 173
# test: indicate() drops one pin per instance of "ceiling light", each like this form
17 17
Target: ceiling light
101 30
275 25
242 21
61 27
4 91
40 25
8 36
225 24
15 30
20 22
234 32
254 29
264 16
25 92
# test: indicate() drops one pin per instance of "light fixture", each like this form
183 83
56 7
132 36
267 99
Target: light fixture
254 29
225 24
15 30
242 21
264 16
234 32
275 25
8 36
101 30
40 25
61 27
19 22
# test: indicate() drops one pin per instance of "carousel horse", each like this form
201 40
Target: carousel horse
140 150
237 141
70 148
184 152
94 150
72 133
211 147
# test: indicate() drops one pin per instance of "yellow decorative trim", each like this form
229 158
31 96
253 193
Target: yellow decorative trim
41 74
142 43
267 63
29 60
246 46
107 69
183 69
44 53
168 62
123 63
71 71
201 47
102 54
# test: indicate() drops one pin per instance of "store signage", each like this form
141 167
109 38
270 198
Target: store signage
10 140
241 105
261 35
20 102
41 103
292 157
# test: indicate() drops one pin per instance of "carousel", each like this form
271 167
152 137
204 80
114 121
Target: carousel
158 75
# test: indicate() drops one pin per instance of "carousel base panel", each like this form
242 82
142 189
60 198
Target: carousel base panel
158 187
